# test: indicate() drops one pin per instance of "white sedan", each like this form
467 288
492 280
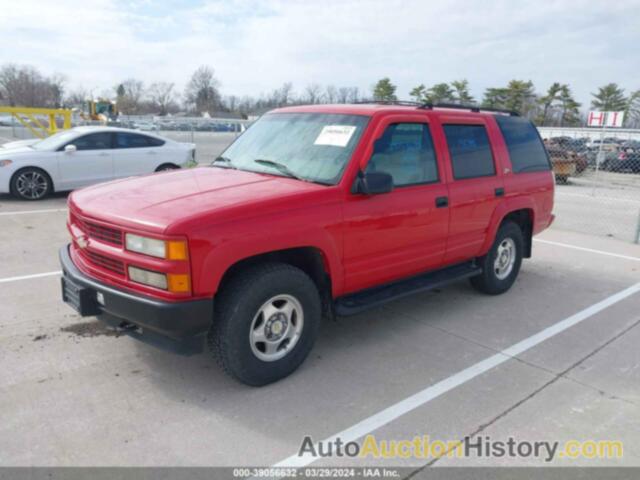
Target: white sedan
84 156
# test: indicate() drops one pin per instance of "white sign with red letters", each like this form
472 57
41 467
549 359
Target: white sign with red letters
605 119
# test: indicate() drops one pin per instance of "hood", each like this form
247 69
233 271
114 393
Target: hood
5 152
19 143
165 202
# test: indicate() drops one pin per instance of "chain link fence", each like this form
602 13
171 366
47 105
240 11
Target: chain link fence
598 180
597 172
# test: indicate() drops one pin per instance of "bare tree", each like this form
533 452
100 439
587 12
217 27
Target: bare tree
331 94
130 93
162 96
23 85
313 93
201 93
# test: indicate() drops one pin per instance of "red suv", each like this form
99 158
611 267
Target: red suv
313 211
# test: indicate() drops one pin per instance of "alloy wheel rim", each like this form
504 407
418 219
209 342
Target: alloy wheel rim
276 328
505 258
32 185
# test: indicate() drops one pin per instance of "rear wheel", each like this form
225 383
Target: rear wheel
166 167
500 266
266 322
31 184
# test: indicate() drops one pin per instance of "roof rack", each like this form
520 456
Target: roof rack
390 102
473 108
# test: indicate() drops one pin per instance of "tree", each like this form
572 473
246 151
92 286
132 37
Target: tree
632 114
547 101
331 94
609 98
569 108
439 93
517 96
24 86
129 95
384 91
461 93
201 93
313 93
419 93
162 96
495 97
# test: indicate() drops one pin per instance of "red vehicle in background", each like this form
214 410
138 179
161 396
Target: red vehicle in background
313 211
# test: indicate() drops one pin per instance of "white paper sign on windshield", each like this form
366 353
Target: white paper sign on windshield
336 135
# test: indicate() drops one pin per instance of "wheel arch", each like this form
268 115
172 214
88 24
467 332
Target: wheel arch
521 212
311 260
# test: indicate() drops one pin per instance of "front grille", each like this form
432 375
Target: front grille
103 261
102 233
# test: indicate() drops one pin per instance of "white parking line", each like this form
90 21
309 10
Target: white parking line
416 400
25 212
28 277
590 250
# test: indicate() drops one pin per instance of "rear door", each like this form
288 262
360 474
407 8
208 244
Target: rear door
136 154
91 163
404 232
476 186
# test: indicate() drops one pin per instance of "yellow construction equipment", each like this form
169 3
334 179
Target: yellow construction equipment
101 110
29 118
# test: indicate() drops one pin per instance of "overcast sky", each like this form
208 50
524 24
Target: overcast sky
255 46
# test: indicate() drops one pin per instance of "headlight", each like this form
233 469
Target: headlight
147 277
5 163
171 250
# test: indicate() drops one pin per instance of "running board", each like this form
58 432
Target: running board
373 297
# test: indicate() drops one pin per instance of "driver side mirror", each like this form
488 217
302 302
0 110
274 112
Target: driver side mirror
70 148
373 183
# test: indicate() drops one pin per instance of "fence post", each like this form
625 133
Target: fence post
637 239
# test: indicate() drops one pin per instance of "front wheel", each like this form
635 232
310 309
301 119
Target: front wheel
500 266
265 324
31 184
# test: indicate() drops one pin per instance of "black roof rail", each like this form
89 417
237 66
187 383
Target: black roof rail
407 103
472 108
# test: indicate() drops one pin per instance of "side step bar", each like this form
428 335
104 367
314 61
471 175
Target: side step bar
373 297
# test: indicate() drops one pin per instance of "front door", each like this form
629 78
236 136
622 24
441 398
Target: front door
404 232
90 163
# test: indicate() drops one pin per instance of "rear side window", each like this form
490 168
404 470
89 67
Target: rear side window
526 150
134 140
405 151
470 151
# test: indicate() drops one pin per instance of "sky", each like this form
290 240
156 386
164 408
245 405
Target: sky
256 46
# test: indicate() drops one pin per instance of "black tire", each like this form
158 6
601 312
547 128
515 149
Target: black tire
42 187
166 167
239 304
562 179
490 281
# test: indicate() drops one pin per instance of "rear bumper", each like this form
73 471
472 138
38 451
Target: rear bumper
179 327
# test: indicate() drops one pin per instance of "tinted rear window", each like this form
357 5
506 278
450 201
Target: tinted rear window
470 151
134 140
523 142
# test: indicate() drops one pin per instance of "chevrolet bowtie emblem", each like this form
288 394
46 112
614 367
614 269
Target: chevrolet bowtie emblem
82 241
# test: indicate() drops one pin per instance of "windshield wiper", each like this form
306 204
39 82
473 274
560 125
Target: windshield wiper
281 167
227 161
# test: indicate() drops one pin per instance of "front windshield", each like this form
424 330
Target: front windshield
54 141
310 146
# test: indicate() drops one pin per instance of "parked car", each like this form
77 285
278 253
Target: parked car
314 211
84 156
627 160
145 126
